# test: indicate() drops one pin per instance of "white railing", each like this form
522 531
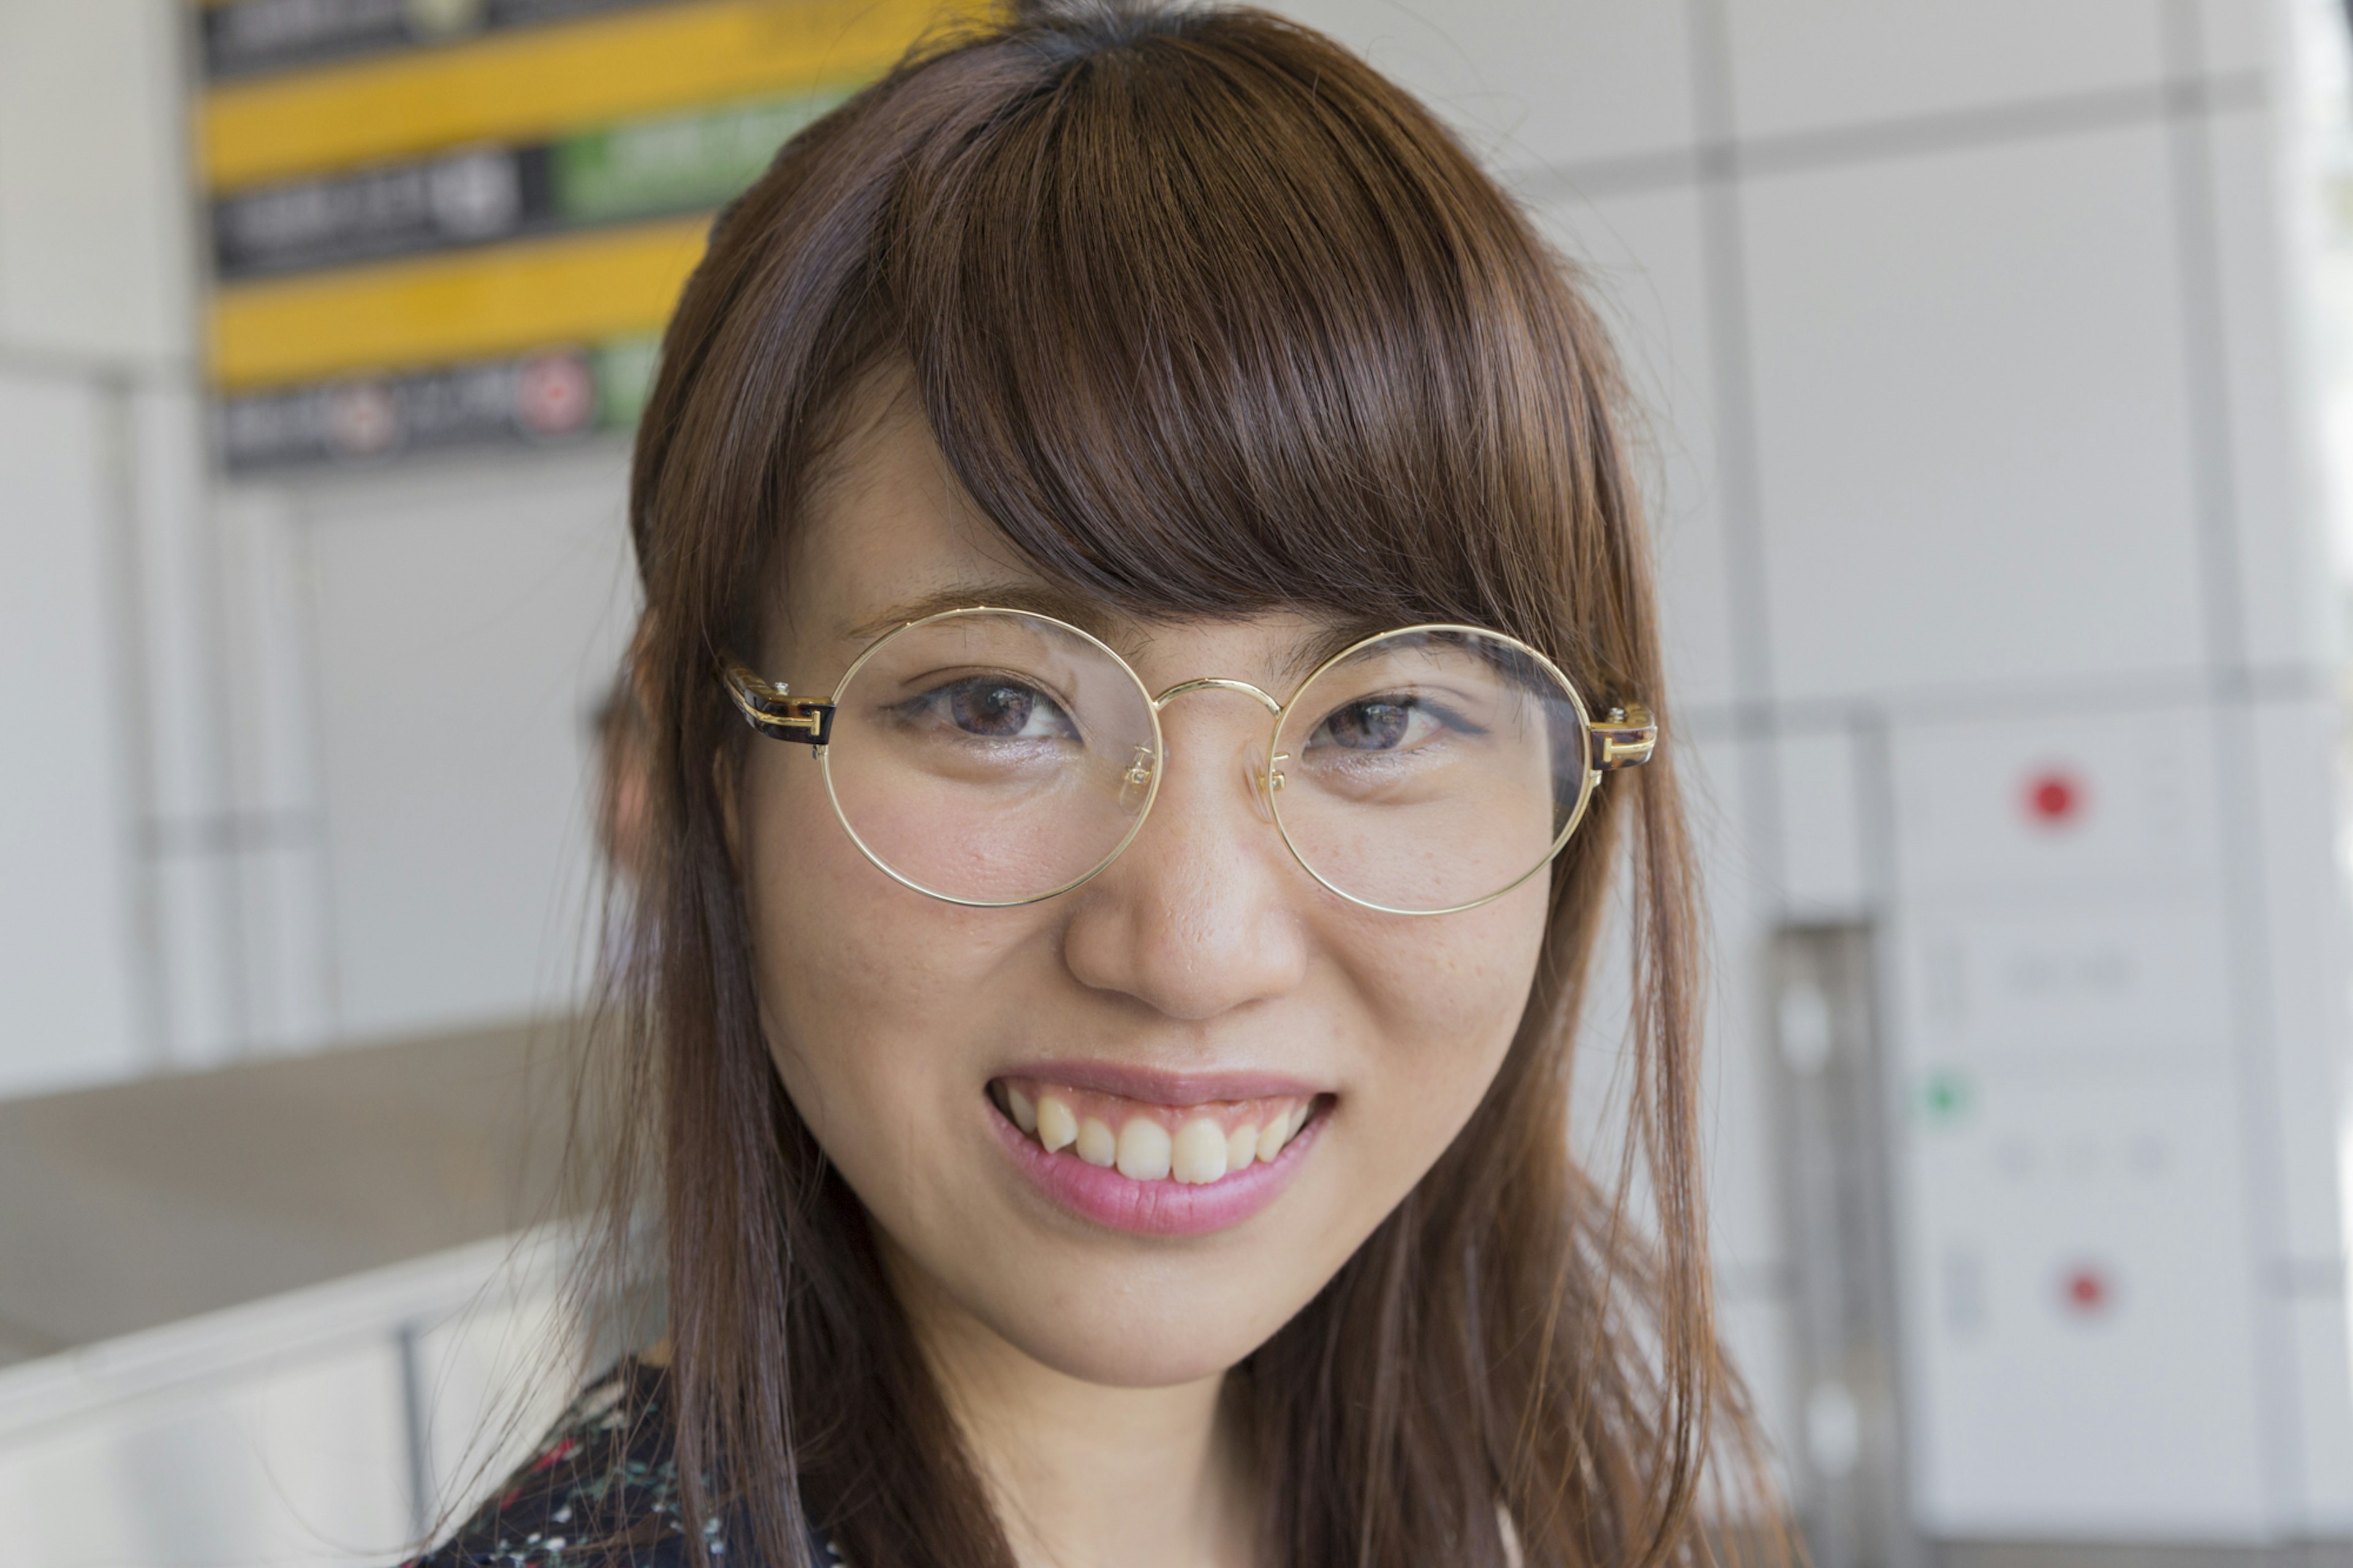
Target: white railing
335 1424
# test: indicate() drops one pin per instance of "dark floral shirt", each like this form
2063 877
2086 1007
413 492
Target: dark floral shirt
603 1489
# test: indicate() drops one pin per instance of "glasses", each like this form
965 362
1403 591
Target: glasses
994 758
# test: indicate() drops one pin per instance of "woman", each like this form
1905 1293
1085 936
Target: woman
1150 655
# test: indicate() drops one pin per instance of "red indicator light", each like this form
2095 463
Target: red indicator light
2087 1289
2054 799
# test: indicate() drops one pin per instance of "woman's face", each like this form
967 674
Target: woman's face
1203 990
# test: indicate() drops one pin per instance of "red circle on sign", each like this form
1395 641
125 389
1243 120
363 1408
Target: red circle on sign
556 393
2054 799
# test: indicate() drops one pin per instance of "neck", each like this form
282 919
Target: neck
1080 1473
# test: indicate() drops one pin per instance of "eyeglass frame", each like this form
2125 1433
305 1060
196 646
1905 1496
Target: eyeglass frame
1626 738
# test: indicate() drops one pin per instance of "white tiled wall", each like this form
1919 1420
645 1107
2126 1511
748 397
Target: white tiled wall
99 488
464 625
1984 459
2042 1419
1642 255
1971 433
1534 86
2306 956
2325 1369
2235 37
93 207
2269 390
1825 875
1815 65
70 926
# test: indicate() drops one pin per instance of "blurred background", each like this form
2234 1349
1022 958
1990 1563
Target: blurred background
1997 356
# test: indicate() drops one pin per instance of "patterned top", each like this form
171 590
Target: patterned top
603 1489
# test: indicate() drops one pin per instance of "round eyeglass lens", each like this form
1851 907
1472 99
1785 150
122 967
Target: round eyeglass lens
1429 770
991 756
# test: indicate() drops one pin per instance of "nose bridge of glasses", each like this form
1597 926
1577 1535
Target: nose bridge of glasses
1214 683
1255 771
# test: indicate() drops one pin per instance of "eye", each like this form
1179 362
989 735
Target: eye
1375 724
997 708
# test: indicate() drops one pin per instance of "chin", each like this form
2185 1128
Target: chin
1101 1334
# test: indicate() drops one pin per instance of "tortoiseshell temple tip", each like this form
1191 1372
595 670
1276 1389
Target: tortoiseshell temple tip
774 712
1624 739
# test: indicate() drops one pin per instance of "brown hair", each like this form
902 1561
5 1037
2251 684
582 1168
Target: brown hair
1210 319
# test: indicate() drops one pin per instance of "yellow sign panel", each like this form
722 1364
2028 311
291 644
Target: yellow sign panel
577 289
535 82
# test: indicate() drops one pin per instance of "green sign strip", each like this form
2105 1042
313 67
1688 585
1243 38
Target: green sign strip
624 373
676 162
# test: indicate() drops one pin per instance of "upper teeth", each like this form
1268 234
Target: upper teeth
1193 1144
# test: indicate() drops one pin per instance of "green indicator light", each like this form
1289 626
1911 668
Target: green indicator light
1946 1096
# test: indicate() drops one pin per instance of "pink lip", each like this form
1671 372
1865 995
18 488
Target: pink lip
1156 1208
1157 1087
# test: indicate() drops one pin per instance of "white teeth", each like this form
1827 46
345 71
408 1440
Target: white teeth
1200 1152
1143 1151
1058 1128
1096 1145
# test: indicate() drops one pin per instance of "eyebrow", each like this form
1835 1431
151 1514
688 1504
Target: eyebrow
1042 599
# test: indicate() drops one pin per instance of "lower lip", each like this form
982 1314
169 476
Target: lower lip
1153 1208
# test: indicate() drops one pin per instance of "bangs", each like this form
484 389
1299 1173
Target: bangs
1209 326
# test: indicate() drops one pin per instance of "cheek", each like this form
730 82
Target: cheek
1449 988
867 991
1446 996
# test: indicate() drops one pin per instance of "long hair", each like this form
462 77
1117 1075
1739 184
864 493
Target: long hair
1210 319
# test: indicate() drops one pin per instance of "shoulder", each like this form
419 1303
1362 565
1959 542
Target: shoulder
602 1486
603 1489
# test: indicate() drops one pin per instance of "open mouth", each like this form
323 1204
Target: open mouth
1189 1145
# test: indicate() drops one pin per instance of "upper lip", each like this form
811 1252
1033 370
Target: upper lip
1155 1086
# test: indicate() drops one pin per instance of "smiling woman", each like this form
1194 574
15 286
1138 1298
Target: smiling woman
1150 658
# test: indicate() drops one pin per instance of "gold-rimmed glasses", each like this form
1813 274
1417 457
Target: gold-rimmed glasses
993 758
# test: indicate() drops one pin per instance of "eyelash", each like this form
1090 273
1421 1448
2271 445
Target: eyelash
1414 706
938 700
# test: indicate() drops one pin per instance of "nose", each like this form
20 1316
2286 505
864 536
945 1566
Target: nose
1200 914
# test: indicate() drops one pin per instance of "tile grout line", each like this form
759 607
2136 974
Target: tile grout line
1881 140
2197 253
1968 704
128 571
1739 511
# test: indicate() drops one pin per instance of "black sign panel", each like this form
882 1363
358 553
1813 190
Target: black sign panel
245 37
469 197
542 397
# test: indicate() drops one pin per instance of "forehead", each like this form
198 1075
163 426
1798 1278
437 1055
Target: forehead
886 525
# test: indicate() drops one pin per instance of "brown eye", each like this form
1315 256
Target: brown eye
1371 725
987 708
994 707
